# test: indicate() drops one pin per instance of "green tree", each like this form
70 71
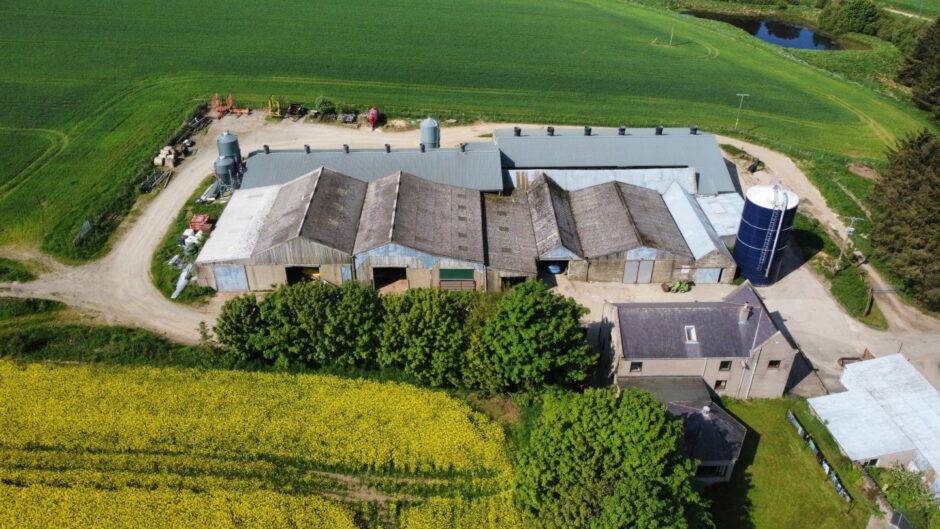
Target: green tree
534 339
293 319
351 330
424 333
238 329
921 71
850 16
604 460
907 219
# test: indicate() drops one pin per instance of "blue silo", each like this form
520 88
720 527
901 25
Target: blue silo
765 228
228 147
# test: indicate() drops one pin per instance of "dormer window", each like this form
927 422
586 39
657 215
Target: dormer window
690 336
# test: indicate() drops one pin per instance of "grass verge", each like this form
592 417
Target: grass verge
11 270
777 482
164 275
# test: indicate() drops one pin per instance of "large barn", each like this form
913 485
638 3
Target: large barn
454 219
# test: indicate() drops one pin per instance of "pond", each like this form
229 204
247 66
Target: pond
776 31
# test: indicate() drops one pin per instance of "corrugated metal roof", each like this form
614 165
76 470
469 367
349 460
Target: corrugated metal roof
889 407
723 212
638 148
697 231
657 330
659 178
433 218
510 241
477 168
240 225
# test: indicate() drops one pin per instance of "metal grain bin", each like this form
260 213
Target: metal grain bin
765 228
431 133
225 171
228 147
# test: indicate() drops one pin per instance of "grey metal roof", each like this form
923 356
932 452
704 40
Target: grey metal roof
699 235
552 218
657 330
322 206
605 149
510 241
433 218
477 168
715 436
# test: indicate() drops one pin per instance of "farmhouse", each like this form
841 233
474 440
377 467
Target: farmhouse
711 435
733 345
889 415
450 218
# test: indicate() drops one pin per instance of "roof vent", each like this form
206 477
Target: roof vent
587 130
551 131
621 130
516 131
421 146
706 410
463 147
388 148
346 148
659 130
307 149
744 313
267 150
693 130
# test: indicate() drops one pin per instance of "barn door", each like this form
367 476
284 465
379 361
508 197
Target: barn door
230 278
630 271
707 275
645 274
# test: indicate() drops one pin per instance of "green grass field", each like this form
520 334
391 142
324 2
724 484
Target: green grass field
105 84
777 482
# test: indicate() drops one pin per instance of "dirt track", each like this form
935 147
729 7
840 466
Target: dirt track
117 288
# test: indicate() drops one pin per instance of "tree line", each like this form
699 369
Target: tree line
524 340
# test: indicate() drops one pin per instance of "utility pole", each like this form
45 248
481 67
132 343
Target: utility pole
671 33
740 106
848 233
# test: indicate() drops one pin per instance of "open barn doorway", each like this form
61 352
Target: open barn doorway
389 278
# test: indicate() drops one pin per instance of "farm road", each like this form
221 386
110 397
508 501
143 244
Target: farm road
117 288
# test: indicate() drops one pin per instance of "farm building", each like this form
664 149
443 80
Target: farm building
889 415
733 345
712 437
448 218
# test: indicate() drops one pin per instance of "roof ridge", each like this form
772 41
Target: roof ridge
391 228
313 192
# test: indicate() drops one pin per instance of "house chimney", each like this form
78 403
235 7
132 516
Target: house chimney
346 148
516 131
659 130
744 313
621 130
267 150
307 149
587 130
551 131
421 146
388 148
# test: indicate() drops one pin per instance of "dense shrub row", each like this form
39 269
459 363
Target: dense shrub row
527 339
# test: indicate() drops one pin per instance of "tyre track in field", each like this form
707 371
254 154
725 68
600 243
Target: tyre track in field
58 142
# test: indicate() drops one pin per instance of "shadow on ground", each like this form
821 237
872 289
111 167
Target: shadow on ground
730 503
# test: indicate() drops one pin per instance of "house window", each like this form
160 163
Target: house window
725 365
711 471
774 364
721 384
690 336
636 367
871 463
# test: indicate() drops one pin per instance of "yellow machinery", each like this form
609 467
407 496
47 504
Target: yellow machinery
274 107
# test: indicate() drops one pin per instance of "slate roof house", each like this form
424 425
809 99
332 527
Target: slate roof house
733 345
711 435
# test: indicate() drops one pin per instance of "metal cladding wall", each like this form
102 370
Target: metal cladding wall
759 248
228 146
